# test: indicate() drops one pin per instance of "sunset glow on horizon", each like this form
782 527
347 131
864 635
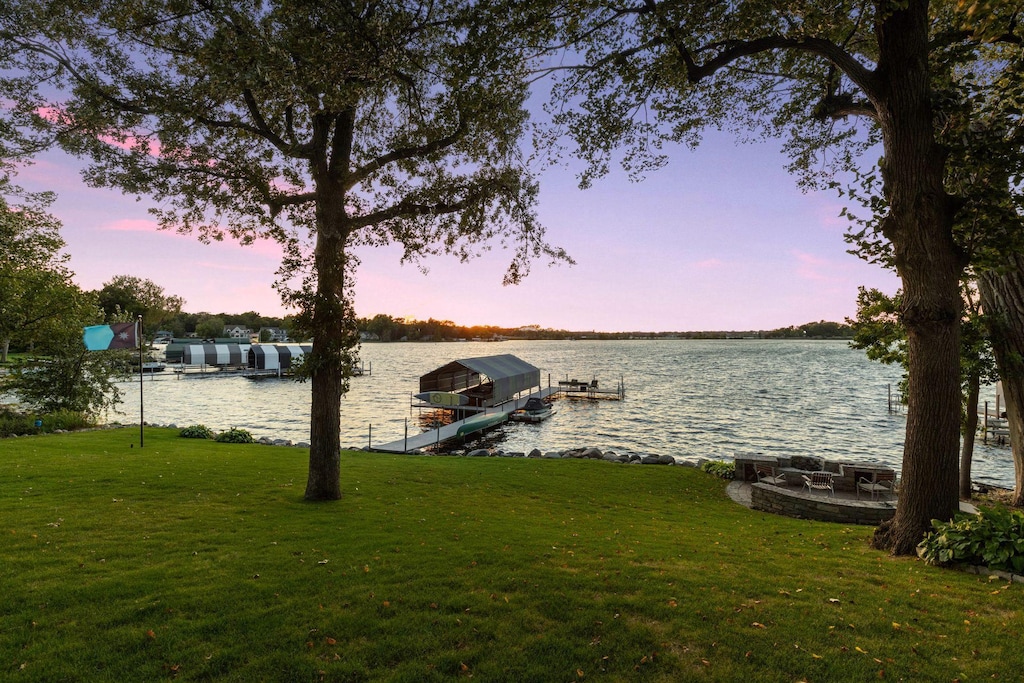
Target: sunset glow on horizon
720 239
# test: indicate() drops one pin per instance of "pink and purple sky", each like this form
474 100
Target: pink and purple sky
720 239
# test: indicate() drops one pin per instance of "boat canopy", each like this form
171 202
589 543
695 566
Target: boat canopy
508 374
207 354
275 356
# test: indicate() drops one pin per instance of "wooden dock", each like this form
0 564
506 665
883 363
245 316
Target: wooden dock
448 432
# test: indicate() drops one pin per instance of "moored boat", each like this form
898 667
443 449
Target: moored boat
534 410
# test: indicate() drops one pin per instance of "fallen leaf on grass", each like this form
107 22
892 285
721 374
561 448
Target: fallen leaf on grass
758 624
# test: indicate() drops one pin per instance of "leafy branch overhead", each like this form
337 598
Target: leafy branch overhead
322 126
234 116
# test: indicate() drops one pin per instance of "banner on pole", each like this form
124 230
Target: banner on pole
114 336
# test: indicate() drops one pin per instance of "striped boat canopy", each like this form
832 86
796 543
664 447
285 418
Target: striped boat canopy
275 356
230 355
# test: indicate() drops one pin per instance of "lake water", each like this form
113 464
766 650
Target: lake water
687 398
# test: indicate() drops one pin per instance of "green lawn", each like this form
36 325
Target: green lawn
198 561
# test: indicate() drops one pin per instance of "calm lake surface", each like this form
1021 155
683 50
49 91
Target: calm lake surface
688 398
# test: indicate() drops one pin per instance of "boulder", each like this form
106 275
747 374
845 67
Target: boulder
553 455
666 460
594 453
479 453
535 453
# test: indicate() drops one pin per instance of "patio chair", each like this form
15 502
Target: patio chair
819 481
767 474
877 484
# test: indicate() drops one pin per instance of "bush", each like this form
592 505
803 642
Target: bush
235 435
719 468
196 432
14 423
993 538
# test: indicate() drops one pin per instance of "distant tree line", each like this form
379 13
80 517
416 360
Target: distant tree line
386 328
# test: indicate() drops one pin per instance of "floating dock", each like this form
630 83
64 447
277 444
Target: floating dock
492 417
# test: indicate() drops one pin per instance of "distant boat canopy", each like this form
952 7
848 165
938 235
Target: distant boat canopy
227 355
485 381
276 356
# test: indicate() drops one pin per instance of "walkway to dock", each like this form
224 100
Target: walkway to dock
450 431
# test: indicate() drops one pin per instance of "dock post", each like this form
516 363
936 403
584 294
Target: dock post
984 438
405 444
369 439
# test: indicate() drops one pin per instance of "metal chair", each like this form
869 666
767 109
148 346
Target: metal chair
767 474
877 484
819 481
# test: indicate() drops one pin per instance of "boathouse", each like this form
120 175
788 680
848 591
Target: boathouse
275 356
486 381
199 353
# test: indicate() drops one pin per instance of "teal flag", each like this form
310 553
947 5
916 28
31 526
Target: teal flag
116 336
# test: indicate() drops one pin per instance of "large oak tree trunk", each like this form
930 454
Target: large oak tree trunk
327 360
919 226
1002 300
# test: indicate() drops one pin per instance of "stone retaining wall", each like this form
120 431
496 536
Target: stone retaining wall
784 501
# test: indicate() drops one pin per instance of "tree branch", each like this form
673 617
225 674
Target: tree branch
402 153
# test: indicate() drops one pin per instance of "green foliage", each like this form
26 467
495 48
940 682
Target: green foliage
16 423
197 432
719 468
235 435
993 538
36 293
127 297
71 379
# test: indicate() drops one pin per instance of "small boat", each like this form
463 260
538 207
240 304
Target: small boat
480 422
535 410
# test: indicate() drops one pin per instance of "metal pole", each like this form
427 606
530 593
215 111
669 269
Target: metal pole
405 444
138 339
369 439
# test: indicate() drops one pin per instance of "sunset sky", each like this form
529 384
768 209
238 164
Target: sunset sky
720 239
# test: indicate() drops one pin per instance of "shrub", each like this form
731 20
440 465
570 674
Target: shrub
15 423
66 420
196 432
235 435
993 538
719 468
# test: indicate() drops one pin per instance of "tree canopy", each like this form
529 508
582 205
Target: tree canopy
322 126
126 297
834 79
34 277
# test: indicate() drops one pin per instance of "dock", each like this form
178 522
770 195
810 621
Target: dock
461 428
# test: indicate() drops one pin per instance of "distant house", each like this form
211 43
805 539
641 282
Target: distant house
237 332
273 334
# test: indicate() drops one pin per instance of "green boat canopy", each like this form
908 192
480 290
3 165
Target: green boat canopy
487 381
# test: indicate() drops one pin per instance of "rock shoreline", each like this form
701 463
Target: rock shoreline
587 453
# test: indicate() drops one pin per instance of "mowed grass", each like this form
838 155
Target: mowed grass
200 561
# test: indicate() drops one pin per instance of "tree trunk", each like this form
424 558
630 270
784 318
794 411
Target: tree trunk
327 363
919 226
1002 300
969 432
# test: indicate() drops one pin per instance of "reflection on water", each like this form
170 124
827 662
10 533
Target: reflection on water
693 399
